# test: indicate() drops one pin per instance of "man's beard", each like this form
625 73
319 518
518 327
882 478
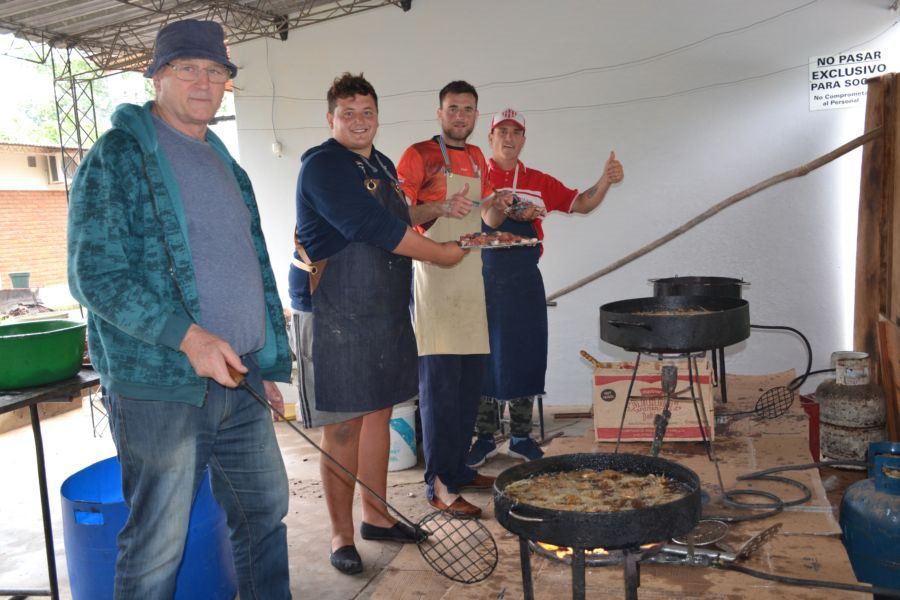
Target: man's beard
450 136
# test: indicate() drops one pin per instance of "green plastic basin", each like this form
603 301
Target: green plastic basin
39 352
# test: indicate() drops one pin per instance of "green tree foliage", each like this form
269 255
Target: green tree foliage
32 116
29 107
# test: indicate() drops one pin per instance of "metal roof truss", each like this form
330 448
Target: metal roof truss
118 35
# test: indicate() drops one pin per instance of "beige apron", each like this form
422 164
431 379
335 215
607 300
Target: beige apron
450 312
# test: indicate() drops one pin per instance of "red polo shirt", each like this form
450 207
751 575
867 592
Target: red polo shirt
533 186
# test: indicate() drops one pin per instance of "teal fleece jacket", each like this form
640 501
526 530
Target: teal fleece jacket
130 265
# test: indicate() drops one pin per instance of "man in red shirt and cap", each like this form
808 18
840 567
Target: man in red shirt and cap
514 288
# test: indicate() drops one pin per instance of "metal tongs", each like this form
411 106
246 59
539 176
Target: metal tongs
704 557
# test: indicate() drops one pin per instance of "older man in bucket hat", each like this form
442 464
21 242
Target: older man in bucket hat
167 254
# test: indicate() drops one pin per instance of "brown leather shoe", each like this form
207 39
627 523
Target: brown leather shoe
479 482
460 508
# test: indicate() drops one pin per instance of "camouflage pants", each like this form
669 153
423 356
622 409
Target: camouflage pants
491 409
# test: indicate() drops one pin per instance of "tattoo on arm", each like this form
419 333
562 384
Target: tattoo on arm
589 193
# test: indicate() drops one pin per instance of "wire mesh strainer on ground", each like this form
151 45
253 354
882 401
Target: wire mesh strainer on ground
460 549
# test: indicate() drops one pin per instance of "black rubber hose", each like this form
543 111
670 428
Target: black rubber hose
851 587
796 381
777 504
809 356
821 463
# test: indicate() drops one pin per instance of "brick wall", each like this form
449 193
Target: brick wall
33 236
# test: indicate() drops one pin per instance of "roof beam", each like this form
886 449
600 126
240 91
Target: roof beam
119 34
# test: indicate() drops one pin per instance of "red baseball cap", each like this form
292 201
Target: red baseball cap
508 115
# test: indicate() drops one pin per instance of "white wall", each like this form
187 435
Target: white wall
16 174
699 99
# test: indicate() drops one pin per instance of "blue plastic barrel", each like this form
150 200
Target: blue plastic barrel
94 512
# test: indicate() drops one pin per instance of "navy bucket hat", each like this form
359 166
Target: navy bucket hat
190 39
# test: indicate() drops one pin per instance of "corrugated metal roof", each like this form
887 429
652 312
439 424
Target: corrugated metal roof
118 35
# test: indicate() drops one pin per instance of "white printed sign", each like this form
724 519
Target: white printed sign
839 81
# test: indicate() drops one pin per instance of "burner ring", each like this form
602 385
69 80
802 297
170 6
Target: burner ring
593 559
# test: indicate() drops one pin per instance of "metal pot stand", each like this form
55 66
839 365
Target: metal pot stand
678 327
661 421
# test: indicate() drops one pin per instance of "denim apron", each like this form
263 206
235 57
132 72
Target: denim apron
517 317
364 350
450 306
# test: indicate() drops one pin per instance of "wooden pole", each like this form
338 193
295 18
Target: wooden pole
893 207
889 347
873 241
873 134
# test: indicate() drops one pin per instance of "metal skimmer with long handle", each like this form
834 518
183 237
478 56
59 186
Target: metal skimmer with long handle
777 400
461 550
772 404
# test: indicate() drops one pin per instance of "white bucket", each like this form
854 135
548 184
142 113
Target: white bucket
403 437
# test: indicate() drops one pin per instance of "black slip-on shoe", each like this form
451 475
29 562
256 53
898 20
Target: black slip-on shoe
347 560
399 532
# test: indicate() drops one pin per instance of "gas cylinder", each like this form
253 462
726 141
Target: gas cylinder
851 408
870 518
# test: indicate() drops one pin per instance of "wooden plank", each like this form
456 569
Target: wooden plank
868 250
895 253
889 342
893 206
874 239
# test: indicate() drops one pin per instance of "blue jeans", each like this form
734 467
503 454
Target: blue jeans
163 448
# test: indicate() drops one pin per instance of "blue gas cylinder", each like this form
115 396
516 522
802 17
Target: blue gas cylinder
870 519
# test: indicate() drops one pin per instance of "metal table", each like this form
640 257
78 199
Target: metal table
61 391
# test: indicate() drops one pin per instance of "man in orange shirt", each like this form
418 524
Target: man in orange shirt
439 177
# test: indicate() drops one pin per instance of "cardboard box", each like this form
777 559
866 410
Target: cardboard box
611 381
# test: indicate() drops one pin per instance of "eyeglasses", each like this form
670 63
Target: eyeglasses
190 72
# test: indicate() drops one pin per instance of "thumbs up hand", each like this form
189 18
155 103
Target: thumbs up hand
612 171
458 205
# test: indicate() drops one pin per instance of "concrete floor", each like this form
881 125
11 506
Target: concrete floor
70 445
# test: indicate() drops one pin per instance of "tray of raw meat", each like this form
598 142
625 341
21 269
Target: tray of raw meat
497 239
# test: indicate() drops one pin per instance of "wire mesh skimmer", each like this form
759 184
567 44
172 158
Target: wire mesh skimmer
776 401
462 550
771 404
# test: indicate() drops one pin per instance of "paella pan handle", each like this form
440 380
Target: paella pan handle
516 515
616 323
